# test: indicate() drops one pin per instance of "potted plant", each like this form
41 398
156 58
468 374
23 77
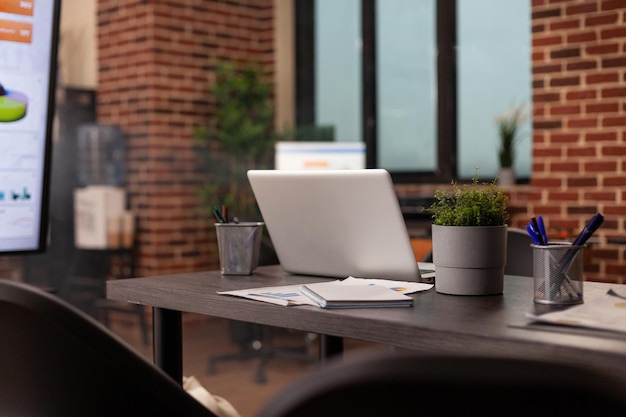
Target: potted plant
469 236
239 137
508 132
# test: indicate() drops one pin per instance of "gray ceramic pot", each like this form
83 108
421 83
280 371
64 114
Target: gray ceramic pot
469 260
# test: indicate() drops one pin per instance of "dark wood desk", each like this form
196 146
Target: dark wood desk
492 325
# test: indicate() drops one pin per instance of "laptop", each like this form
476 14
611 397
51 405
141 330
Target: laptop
335 223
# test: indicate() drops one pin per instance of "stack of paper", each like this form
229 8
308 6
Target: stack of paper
336 294
292 295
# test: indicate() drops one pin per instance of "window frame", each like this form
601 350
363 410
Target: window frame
446 85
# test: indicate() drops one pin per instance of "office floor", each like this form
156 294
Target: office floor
234 380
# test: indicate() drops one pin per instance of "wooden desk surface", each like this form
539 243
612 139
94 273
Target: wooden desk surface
490 325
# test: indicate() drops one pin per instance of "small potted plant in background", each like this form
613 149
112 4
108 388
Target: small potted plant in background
469 238
239 137
508 132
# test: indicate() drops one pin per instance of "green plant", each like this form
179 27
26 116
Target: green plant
239 137
470 205
508 131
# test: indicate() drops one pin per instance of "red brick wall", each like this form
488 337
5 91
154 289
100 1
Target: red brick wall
579 140
156 58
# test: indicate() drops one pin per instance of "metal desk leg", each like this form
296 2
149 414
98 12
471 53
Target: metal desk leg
168 342
330 346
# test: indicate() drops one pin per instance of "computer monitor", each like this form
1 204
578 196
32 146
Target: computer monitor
28 58
320 155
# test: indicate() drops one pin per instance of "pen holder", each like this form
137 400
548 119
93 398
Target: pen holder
558 273
239 245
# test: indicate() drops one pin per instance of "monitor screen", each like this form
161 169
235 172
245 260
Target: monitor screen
28 49
320 155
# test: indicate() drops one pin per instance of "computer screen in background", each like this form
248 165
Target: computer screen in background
320 155
28 50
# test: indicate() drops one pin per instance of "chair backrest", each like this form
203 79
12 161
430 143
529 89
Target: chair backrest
57 361
519 253
399 385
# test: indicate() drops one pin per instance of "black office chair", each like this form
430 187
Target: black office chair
443 386
57 361
519 253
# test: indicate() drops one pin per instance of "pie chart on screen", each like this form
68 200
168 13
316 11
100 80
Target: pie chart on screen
13 105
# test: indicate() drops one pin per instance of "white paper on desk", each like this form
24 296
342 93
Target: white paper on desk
607 312
289 295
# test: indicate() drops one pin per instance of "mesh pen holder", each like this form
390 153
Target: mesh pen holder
558 273
239 245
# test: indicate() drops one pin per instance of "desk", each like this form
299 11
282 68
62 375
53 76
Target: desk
492 325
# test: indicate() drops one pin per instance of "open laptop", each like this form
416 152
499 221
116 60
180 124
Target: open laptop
335 223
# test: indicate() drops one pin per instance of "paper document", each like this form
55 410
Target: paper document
607 312
290 295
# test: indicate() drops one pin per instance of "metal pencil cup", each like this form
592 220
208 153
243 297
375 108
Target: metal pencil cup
239 245
558 273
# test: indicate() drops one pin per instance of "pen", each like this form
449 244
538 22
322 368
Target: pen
537 231
218 214
589 229
532 234
225 213
582 238
542 230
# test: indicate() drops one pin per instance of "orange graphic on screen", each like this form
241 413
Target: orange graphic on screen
23 7
13 105
16 31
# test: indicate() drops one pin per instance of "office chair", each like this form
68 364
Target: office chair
444 386
57 361
84 284
519 253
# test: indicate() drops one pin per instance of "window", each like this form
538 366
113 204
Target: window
406 86
393 74
338 68
493 76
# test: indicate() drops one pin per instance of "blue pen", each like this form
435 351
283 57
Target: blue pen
582 238
542 230
589 229
535 225
532 234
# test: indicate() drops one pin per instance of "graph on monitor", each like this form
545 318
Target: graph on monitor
28 51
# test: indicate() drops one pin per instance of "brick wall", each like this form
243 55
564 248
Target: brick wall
155 62
579 140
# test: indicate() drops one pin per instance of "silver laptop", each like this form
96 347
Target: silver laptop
335 223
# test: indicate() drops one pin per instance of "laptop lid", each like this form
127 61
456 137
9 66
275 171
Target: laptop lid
335 223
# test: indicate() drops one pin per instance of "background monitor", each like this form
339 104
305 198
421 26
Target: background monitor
28 50
320 155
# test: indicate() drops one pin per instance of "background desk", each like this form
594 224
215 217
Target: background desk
492 325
